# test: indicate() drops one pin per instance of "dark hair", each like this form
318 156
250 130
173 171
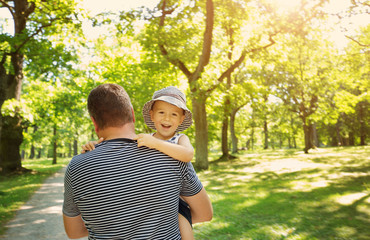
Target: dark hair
110 106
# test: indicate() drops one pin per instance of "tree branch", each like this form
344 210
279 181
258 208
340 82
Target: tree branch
34 34
240 60
3 58
30 10
175 62
362 45
207 41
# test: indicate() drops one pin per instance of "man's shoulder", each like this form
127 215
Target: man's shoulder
77 160
118 149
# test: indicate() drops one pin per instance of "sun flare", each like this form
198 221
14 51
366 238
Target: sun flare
285 4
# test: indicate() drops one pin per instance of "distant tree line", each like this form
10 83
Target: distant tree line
255 77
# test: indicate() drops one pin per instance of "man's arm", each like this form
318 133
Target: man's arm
200 207
75 227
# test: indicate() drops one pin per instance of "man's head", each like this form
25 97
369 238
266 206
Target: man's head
110 106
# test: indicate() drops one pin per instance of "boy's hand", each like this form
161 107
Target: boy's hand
146 140
90 145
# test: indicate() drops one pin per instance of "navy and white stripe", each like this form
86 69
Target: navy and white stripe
126 192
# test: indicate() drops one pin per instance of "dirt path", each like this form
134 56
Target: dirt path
41 216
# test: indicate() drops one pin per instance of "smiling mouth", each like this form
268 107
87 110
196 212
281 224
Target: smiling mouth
166 126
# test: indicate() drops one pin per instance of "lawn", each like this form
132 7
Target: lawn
266 195
17 189
286 194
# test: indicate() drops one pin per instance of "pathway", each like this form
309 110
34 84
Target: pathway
41 217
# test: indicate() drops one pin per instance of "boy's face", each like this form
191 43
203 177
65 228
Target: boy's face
166 118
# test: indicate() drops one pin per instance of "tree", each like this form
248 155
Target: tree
33 21
352 97
244 89
302 79
120 59
172 31
239 98
203 56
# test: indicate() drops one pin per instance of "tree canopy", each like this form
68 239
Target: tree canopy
256 75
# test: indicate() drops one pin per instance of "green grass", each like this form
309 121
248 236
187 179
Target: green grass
15 190
286 194
266 195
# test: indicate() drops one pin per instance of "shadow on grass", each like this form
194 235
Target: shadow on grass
331 203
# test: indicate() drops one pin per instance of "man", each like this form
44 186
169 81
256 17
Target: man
120 191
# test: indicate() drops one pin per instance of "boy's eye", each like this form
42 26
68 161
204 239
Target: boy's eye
174 114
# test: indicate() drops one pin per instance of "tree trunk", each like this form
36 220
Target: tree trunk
351 138
75 147
32 153
11 129
11 136
93 134
361 116
11 139
252 138
55 145
225 123
293 133
224 137
69 150
234 139
339 137
201 132
308 135
33 150
23 153
315 136
225 128
280 142
39 153
266 134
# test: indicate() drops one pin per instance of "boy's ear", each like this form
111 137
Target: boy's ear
151 114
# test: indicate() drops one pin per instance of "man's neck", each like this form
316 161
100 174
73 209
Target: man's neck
126 131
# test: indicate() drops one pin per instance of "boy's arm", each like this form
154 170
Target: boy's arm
183 151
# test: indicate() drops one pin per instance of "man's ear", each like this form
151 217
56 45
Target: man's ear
133 114
95 125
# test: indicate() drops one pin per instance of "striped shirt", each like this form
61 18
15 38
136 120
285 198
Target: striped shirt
126 192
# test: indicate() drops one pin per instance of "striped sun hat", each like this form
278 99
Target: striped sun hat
173 96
